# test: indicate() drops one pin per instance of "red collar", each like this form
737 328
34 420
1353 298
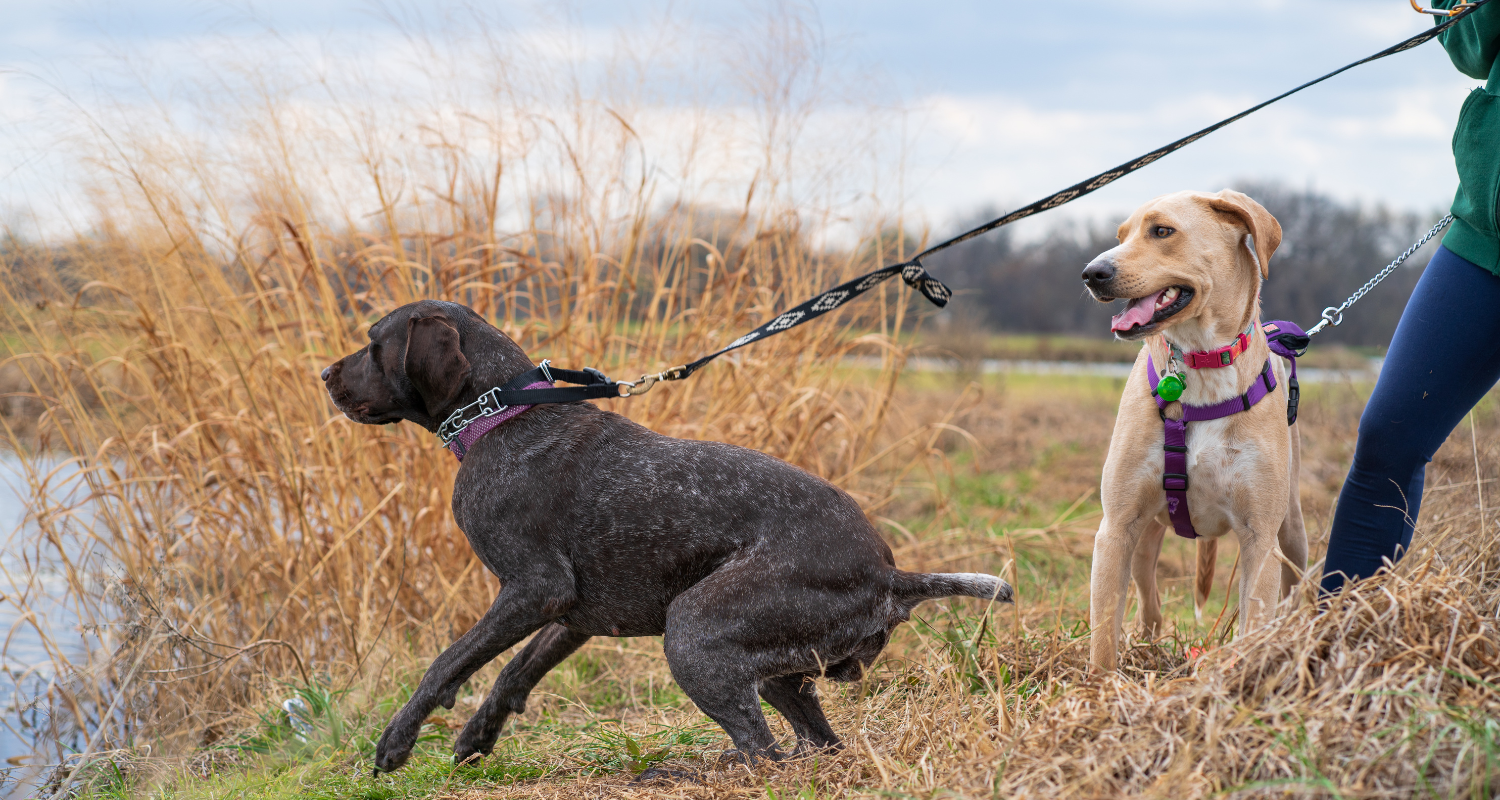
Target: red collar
1221 357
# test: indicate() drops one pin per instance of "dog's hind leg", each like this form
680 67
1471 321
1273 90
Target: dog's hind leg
547 649
1143 570
719 678
736 627
796 697
726 693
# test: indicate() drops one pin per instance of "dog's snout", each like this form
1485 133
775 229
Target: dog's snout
1099 271
327 373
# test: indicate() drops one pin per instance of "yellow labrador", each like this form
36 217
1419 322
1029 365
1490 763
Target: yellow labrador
1190 264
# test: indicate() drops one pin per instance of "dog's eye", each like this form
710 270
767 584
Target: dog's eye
1162 231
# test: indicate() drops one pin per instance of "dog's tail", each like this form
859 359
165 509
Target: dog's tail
911 588
1208 558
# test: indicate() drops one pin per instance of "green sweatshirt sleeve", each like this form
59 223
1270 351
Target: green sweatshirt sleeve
1473 44
1474 41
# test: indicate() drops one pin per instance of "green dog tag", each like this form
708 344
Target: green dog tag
1170 388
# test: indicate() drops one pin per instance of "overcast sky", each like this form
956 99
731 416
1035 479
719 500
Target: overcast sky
1005 101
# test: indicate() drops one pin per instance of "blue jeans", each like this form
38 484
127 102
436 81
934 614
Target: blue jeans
1444 357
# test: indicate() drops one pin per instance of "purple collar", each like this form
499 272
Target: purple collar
471 433
1175 474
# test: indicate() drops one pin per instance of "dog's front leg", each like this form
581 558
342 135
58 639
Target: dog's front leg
1109 581
547 649
1143 569
1260 576
516 613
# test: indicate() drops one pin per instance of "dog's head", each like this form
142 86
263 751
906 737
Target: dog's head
1184 257
424 360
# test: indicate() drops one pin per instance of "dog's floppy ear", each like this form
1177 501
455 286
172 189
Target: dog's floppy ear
1260 223
433 362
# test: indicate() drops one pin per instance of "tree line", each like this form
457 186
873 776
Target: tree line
1330 247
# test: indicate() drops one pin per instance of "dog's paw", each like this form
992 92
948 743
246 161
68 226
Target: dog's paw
395 744
468 756
477 739
469 751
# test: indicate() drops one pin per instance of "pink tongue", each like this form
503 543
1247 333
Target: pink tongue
1138 312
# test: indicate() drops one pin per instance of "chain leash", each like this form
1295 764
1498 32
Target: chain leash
1334 316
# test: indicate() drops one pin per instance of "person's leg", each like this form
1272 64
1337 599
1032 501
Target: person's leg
1444 357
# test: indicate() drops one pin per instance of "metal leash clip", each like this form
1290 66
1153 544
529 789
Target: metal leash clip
1332 315
1440 12
644 383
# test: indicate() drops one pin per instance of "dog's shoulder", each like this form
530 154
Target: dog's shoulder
1137 404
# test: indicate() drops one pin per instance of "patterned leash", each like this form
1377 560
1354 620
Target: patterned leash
1334 316
916 276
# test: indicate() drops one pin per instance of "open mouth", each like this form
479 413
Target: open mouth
1144 313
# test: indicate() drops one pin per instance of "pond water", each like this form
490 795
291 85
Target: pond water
35 619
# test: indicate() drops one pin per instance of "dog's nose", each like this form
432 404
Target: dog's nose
1099 271
327 371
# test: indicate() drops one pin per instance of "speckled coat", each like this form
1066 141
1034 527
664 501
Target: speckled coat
759 575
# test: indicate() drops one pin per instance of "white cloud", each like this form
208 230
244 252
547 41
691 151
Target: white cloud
1003 104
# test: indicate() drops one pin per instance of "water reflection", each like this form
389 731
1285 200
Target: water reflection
39 610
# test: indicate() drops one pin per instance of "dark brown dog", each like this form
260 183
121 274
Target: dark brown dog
759 575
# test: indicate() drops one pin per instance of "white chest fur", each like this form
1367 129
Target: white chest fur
1227 458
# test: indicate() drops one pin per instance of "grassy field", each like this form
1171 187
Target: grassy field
1393 695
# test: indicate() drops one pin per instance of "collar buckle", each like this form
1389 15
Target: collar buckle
489 404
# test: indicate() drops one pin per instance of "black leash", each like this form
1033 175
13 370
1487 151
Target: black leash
596 385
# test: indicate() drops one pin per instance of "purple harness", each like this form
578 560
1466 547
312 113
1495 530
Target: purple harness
1286 340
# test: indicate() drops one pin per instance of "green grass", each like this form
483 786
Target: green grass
334 761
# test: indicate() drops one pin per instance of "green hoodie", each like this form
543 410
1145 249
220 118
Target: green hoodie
1473 44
